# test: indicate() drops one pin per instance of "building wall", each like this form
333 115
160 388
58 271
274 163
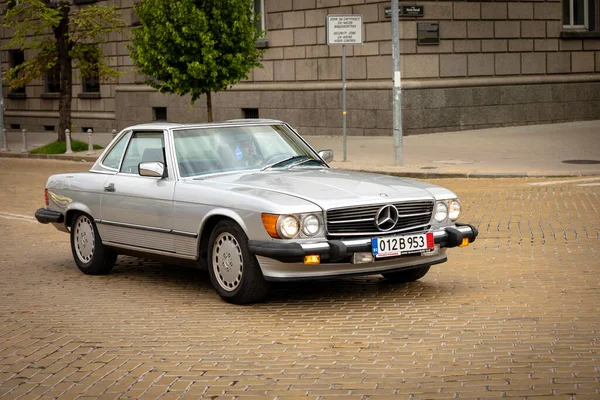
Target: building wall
497 64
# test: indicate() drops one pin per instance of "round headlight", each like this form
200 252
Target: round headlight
310 225
288 226
441 212
454 210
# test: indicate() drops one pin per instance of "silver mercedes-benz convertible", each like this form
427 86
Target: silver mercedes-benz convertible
252 202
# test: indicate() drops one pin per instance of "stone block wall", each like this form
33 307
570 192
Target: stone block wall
484 46
424 110
476 39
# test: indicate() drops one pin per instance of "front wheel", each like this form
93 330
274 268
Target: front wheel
410 275
91 256
234 271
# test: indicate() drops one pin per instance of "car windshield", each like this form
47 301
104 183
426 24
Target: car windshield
202 151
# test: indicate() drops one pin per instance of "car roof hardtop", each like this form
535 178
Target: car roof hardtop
166 125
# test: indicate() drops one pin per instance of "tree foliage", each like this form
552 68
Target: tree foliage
195 47
56 34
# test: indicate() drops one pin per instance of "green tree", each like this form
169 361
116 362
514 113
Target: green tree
195 47
57 33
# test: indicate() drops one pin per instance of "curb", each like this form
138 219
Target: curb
73 157
401 174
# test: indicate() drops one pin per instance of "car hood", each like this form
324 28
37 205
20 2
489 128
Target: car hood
330 188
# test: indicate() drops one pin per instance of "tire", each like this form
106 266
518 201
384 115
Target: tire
410 275
234 271
91 256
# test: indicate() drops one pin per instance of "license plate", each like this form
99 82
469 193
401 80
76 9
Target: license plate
398 245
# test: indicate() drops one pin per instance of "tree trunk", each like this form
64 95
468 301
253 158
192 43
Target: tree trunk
66 71
209 107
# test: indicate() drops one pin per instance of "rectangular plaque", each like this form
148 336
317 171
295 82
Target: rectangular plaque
428 33
405 10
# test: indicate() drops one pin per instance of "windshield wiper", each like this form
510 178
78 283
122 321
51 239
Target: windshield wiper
283 161
304 162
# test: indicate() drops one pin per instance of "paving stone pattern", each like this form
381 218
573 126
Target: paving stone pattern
514 315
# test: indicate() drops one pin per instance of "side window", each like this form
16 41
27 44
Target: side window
143 147
113 158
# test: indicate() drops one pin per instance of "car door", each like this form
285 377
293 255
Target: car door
137 210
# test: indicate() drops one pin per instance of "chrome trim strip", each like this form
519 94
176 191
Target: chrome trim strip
379 233
147 228
352 220
133 226
187 234
413 215
393 201
147 250
315 246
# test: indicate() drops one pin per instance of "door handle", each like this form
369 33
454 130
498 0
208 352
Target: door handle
109 188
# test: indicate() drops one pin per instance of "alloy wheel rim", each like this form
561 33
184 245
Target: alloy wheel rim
227 261
85 241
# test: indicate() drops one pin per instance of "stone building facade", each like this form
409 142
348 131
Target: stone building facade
498 63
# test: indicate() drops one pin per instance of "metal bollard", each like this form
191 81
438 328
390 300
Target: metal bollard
90 145
114 133
24 150
4 142
68 138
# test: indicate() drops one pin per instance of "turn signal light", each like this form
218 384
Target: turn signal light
270 223
46 196
465 242
312 259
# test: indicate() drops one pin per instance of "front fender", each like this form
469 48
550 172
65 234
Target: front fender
223 212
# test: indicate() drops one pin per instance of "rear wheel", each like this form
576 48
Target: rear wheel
410 275
234 271
91 256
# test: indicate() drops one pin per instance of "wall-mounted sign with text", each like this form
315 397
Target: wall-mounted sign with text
405 10
343 29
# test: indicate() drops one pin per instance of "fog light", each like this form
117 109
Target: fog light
362 258
312 259
465 242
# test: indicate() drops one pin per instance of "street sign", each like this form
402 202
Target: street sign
406 11
343 29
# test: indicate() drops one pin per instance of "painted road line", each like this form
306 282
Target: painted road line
563 181
19 217
589 184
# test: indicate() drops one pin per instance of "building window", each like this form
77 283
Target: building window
90 82
160 113
259 8
12 3
250 113
575 14
17 57
53 80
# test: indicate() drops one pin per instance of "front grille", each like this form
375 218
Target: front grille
355 221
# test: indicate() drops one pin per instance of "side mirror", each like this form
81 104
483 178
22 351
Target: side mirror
326 155
153 169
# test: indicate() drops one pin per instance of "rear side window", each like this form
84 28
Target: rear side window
143 147
113 158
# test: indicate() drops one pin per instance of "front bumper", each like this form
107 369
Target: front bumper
48 216
337 250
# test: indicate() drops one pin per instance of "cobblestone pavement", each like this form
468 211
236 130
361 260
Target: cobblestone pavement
516 314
